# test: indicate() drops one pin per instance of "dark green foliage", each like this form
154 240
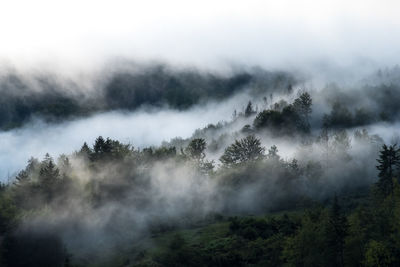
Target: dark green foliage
19 102
53 100
161 153
335 234
363 116
307 246
101 146
286 119
389 160
85 151
180 254
196 148
33 249
243 150
302 106
107 150
21 178
113 176
268 118
8 212
49 178
253 228
340 117
158 86
324 235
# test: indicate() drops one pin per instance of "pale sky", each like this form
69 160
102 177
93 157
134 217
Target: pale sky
280 33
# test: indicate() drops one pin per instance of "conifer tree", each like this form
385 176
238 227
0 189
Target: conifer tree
336 233
302 106
48 177
389 159
249 110
196 148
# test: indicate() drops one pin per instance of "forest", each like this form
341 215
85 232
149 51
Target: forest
297 176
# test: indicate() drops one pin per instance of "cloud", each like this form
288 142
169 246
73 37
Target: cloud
275 34
142 128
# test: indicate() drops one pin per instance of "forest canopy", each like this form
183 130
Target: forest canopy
276 184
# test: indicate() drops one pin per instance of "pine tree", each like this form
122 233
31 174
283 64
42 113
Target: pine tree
302 106
99 144
336 233
389 159
21 178
273 153
196 148
48 177
85 151
249 110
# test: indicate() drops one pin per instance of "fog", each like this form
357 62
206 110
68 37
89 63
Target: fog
169 82
320 36
142 128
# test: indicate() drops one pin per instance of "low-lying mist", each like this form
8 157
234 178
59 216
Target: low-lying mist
141 128
260 142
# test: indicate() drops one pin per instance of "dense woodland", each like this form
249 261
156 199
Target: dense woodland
221 197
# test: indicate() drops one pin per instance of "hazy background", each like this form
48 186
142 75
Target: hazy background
318 35
340 41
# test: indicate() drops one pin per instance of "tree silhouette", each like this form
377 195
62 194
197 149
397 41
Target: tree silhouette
389 159
196 148
48 177
302 106
336 233
243 150
249 110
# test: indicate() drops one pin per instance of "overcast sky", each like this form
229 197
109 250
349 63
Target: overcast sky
276 34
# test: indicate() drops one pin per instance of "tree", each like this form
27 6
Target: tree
302 105
336 232
339 117
341 144
389 158
249 110
85 151
48 177
243 150
21 178
284 119
273 153
101 146
268 118
377 254
64 166
196 148
306 246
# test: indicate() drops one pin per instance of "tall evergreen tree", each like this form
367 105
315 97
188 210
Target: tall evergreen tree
85 151
336 233
21 178
302 105
389 159
99 144
48 177
249 110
